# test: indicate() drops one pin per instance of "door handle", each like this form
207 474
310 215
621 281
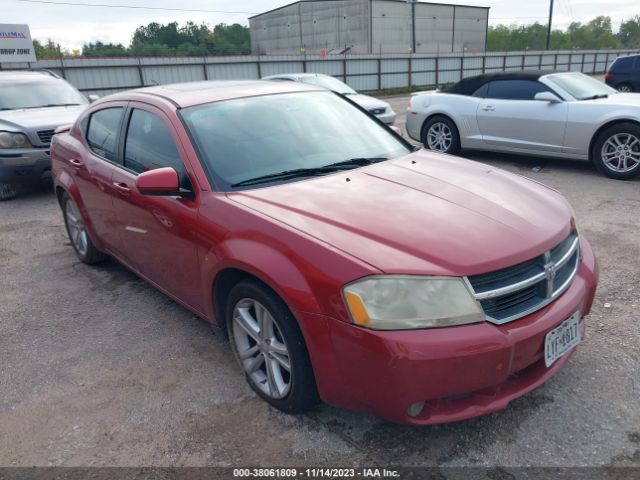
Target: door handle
75 163
122 188
488 109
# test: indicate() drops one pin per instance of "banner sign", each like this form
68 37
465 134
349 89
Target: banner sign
16 44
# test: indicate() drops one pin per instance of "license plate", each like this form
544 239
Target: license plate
562 339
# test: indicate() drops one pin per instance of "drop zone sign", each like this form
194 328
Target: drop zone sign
16 44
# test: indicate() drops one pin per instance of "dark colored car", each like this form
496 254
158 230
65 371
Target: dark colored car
344 265
624 74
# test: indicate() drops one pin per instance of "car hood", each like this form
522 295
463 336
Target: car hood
424 213
39 118
618 99
367 102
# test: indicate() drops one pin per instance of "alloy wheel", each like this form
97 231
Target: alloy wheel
76 227
439 137
261 348
621 153
624 88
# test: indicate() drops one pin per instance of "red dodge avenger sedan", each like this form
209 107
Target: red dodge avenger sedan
345 266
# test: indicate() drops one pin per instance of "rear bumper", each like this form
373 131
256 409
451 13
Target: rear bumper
459 372
24 166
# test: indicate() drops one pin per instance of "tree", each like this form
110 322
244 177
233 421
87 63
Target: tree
48 50
100 49
596 34
629 34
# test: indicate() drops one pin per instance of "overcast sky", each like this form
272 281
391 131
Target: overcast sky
71 26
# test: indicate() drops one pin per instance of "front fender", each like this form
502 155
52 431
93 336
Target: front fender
264 262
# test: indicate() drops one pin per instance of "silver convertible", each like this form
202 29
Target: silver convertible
548 114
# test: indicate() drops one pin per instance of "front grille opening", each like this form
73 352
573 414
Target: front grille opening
45 136
528 286
503 278
509 305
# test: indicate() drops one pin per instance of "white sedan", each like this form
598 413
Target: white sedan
565 114
380 109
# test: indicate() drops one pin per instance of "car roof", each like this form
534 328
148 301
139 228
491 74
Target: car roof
184 95
468 86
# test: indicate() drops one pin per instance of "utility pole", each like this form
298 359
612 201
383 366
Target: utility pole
549 28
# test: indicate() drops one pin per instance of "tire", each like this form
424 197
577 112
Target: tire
261 355
78 235
439 129
8 191
616 152
624 87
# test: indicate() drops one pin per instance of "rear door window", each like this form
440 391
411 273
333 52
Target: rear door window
102 132
515 89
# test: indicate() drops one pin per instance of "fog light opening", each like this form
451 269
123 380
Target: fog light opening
415 409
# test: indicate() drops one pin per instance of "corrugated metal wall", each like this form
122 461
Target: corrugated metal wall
363 72
378 26
314 26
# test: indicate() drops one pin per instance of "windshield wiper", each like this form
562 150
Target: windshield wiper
309 172
596 97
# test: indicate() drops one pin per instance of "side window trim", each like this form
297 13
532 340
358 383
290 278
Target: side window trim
85 133
489 84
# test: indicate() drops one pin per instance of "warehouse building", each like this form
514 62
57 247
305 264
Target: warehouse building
369 26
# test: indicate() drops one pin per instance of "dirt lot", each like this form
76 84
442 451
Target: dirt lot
97 368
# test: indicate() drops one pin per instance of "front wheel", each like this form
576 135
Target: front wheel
440 134
269 346
616 152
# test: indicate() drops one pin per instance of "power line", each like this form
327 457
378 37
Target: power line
195 10
135 7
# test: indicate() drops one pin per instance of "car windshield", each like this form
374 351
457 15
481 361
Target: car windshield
582 87
250 138
329 83
15 96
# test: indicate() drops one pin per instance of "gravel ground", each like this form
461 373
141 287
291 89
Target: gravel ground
97 368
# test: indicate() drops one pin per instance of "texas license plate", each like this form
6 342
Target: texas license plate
562 339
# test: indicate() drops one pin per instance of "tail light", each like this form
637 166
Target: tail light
608 76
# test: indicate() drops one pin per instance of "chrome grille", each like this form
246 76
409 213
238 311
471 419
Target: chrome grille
45 136
517 291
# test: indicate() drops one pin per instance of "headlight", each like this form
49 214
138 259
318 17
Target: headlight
405 302
14 140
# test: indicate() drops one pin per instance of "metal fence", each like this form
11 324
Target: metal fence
103 76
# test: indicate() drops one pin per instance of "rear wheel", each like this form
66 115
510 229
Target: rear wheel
8 191
625 88
78 234
440 134
616 153
269 347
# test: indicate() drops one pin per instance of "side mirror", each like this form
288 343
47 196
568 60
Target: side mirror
547 97
159 182
93 97
397 130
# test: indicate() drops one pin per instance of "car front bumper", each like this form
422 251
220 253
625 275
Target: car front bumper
24 166
459 372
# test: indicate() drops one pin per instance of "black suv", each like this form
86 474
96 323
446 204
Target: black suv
624 74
